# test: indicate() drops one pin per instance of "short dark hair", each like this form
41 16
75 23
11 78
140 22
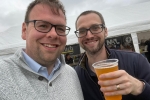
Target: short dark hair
55 5
89 12
128 46
67 54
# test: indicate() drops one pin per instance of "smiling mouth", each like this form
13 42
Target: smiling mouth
90 42
50 45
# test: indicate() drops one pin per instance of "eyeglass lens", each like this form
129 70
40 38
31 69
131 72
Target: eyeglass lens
45 27
93 29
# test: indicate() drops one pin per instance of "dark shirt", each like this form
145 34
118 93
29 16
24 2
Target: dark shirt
69 61
148 45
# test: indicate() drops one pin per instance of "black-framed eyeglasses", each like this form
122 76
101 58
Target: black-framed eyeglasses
45 27
94 29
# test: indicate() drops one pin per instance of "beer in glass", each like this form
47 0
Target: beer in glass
106 66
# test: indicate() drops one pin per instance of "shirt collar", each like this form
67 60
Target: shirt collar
108 52
31 63
35 66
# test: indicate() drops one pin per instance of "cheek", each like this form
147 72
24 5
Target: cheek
80 41
32 33
104 36
35 35
63 40
101 35
105 33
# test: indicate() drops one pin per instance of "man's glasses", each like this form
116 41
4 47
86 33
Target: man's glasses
45 27
94 29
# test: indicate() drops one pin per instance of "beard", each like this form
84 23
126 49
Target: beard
93 51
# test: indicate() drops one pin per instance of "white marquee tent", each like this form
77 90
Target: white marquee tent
119 21
125 20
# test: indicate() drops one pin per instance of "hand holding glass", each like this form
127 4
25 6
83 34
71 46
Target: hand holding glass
106 66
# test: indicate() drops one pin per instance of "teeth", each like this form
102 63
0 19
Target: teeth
48 45
90 42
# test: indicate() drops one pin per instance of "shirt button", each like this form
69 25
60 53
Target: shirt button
40 78
50 84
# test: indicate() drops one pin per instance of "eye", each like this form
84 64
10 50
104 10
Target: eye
95 27
61 29
82 31
41 25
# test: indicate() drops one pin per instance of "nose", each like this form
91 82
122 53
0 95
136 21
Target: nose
89 34
52 33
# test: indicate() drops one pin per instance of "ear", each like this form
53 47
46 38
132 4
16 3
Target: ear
24 31
106 32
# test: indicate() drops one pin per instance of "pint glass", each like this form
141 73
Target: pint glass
106 66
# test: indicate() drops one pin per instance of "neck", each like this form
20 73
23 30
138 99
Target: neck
49 66
50 69
101 55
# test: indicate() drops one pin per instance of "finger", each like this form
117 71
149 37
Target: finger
114 74
110 82
123 89
111 88
115 81
119 92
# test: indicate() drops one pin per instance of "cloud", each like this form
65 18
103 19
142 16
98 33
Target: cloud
75 7
13 11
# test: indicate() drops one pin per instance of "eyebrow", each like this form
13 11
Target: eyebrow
87 28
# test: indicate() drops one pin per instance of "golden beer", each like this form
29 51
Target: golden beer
105 66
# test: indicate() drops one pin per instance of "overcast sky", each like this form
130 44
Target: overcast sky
12 11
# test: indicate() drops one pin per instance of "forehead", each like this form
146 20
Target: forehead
87 20
44 12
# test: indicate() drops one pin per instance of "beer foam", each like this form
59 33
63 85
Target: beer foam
105 65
